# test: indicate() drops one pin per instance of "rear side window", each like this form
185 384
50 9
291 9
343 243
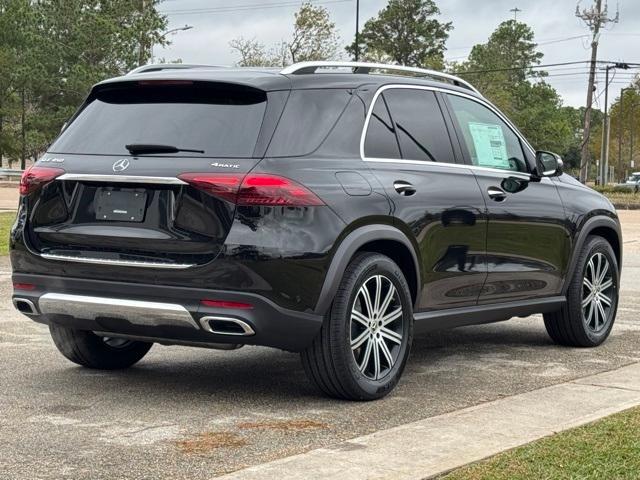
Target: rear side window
381 140
222 120
308 118
420 126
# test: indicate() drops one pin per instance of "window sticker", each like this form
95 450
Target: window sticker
490 145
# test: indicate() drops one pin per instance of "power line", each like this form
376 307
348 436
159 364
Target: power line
531 67
245 7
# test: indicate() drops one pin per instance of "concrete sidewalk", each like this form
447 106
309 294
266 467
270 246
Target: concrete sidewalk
436 445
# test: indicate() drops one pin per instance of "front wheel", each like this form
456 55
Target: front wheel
92 351
587 318
363 345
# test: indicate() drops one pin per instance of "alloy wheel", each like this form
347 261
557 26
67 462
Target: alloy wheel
598 292
377 330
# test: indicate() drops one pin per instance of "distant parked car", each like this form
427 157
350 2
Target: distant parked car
632 182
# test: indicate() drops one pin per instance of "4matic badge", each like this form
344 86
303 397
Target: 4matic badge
225 165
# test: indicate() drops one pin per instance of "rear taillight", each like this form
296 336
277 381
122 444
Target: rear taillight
36 177
254 189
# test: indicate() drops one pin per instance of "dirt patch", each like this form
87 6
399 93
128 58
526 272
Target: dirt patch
285 425
207 441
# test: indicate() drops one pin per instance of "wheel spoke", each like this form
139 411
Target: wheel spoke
357 343
606 285
364 291
387 319
603 274
386 352
360 318
391 335
387 300
605 299
587 283
587 300
376 300
603 315
376 360
596 275
591 312
365 358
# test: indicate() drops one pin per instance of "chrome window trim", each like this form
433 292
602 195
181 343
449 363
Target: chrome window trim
119 263
82 177
481 101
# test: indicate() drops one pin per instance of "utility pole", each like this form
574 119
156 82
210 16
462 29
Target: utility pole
604 152
515 11
357 55
595 18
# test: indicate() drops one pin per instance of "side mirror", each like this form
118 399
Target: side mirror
548 164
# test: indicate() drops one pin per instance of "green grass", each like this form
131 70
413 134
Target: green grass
621 197
607 449
6 220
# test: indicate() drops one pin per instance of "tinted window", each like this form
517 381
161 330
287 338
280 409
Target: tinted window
490 142
420 125
381 141
222 121
308 118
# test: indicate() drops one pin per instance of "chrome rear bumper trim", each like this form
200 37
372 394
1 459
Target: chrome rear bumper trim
119 263
148 314
81 177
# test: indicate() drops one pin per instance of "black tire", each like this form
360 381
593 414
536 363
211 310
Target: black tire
89 350
330 361
572 327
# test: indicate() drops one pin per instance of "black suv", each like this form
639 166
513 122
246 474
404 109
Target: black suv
331 209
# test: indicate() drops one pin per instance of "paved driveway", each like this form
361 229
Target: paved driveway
193 413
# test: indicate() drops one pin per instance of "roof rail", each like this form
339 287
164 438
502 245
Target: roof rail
364 67
169 66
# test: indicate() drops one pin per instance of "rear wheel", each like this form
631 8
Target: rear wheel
90 350
587 318
363 345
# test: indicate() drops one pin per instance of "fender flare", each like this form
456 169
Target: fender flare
587 228
345 251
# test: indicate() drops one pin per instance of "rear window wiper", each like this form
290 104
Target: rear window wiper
137 148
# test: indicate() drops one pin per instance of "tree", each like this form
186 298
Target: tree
502 70
252 53
314 37
406 32
53 51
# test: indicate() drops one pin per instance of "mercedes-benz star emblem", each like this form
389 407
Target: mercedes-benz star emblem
121 165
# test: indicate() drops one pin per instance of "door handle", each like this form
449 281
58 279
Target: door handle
496 194
404 188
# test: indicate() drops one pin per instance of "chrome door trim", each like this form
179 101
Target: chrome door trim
118 263
441 164
148 314
84 177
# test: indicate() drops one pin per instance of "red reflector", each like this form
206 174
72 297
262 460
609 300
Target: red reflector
226 304
24 286
254 189
36 177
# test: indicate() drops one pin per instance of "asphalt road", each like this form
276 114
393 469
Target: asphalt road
193 414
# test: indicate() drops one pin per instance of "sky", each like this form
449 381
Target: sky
561 36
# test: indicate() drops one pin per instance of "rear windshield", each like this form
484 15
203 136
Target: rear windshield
222 120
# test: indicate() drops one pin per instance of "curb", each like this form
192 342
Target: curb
436 445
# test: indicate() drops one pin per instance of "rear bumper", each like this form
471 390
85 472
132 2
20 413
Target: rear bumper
163 314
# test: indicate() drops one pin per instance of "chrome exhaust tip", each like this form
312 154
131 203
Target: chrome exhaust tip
25 306
227 326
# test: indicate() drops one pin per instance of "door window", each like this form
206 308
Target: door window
489 140
419 124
